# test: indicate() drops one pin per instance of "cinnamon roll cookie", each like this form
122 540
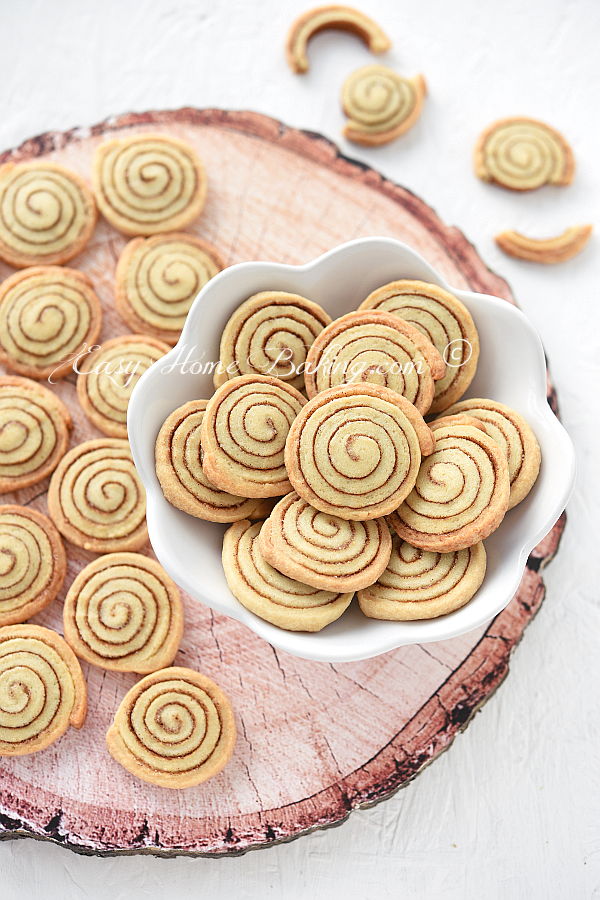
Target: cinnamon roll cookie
108 375
42 689
148 183
380 104
445 322
33 563
174 728
323 550
270 334
96 498
355 451
376 347
48 316
510 430
343 18
461 493
268 593
243 435
179 456
123 613
158 278
421 584
47 214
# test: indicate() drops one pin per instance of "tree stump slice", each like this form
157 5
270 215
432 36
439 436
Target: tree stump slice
315 740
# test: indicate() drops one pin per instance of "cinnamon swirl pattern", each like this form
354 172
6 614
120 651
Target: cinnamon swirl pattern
270 334
510 430
96 498
445 322
461 493
174 728
421 584
33 563
266 592
158 278
48 316
344 18
123 613
380 104
243 435
376 347
47 214
179 455
42 689
108 376
355 451
323 550
34 432
523 154
148 183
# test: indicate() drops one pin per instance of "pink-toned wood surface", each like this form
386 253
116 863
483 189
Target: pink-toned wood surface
315 740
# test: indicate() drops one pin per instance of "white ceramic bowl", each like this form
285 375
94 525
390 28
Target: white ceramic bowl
511 369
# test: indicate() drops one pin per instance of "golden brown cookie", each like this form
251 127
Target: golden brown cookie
323 550
243 435
179 455
444 321
355 451
42 689
523 154
47 214
268 593
33 563
48 316
380 104
461 493
158 278
108 376
148 183
96 498
421 584
174 728
375 347
123 613
270 334
34 432
546 250
510 430
343 18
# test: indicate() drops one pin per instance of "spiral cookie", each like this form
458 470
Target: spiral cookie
421 584
96 499
523 154
344 18
148 183
266 592
42 689
323 550
243 435
33 563
556 249
123 613
270 334
461 493
48 316
34 432
158 278
108 376
47 214
380 104
355 451
445 321
174 728
376 347
515 437
179 456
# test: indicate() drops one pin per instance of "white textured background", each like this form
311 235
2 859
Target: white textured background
513 809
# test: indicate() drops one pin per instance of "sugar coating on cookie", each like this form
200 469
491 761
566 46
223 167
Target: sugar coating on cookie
380 104
344 18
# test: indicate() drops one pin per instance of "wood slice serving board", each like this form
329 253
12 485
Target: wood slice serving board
315 741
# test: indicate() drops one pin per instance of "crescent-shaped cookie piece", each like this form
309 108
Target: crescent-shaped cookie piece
546 250
342 18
